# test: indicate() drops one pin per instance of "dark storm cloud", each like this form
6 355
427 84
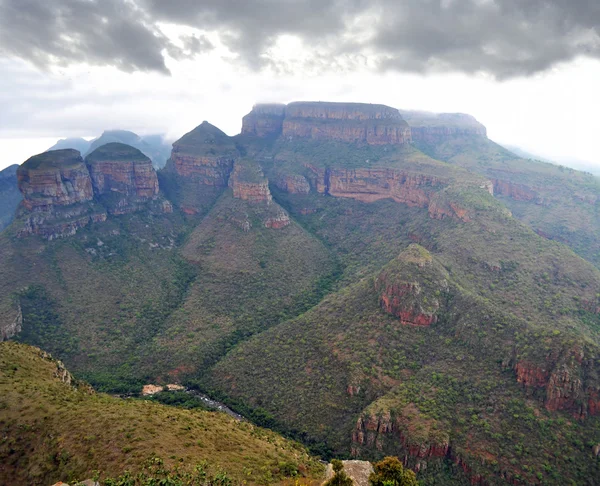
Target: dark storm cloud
100 32
504 38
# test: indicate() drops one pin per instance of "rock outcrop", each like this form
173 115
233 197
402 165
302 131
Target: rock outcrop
61 193
264 120
369 185
408 435
410 287
568 382
249 183
437 127
205 156
518 192
292 183
123 176
51 179
57 195
347 122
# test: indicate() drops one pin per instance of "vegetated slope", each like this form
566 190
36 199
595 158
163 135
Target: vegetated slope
10 197
56 428
557 202
97 298
484 309
255 268
515 328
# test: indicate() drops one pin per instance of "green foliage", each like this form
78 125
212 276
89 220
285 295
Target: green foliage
339 478
390 472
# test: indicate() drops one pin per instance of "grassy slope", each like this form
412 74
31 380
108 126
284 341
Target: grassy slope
299 371
561 192
54 431
246 282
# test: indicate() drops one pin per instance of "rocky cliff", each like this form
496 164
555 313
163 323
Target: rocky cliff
412 189
62 193
264 120
248 183
205 156
123 176
410 287
57 195
436 127
569 382
347 122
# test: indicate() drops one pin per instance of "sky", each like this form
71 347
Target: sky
528 70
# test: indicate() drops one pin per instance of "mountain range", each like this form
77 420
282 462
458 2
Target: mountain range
365 280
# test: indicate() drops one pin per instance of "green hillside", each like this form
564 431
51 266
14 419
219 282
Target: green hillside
56 428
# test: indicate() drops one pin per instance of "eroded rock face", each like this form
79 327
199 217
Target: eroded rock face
568 382
248 183
518 192
409 287
204 155
116 167
292 183
124 177
264 120
57 195
438 127
56 178
347 122
369 185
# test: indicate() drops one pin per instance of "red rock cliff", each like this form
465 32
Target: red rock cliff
438 127
204 155
57 178
264 120
57 195
347 122
116 167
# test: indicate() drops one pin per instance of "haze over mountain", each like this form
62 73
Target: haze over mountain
152 146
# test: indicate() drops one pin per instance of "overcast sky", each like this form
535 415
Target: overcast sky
529 70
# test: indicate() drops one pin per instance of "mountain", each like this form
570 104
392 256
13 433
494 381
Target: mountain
10 197
365 280
153 146
57 428
79 144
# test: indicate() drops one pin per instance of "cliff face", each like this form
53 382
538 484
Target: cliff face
409 287
369 185
57 195
57 178
346 122
205 155
264 120
518 192
292 183
125 174
438 127
62 194
248 183
568 382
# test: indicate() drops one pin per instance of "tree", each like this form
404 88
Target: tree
340 478
390 472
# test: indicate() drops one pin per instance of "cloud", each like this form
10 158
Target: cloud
502 38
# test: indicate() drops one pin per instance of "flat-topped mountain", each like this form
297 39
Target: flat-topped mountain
347 122
62 192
